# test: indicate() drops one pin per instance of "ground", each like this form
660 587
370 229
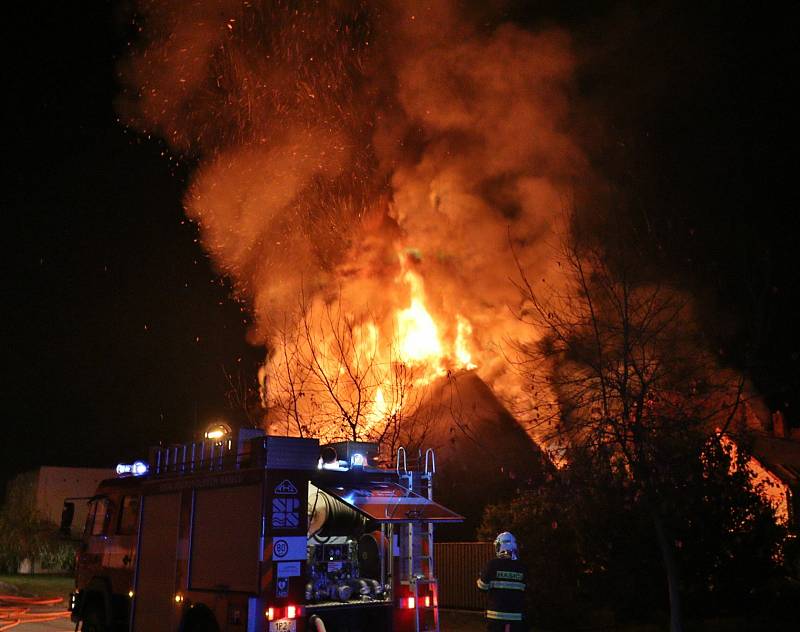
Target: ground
461 621
43 586
57 586
451 620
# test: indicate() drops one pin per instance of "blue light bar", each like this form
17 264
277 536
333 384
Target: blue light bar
137 468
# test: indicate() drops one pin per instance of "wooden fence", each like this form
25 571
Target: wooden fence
458 565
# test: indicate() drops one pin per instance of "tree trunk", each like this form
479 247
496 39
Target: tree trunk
671 568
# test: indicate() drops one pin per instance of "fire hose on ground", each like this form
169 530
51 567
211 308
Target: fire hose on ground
15 610
317 624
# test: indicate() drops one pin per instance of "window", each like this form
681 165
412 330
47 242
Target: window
97 520
90 517
128 516
67 515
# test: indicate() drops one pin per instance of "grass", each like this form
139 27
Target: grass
40 585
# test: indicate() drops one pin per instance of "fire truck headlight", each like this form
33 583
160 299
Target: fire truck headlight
291 612
270 614
217 431
178 598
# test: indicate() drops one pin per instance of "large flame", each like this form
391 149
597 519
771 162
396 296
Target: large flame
330 135
417 334
341 374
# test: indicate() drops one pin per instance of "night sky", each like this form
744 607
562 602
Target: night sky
117 329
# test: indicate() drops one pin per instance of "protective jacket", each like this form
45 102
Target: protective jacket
505 580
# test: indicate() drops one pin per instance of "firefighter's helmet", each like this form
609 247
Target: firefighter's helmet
505 545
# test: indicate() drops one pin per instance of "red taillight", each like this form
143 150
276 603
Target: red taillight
291 612
427 601
270 614
410 602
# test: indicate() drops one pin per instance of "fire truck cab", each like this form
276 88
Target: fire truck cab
259 533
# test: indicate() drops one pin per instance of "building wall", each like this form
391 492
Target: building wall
55 484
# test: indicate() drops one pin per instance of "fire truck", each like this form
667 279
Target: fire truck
259 533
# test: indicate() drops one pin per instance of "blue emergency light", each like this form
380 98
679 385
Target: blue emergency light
137 468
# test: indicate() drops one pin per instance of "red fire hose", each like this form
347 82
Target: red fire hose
16 611
317 623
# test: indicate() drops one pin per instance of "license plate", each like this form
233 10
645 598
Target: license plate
283 625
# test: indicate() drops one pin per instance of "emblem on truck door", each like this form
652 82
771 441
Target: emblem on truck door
286 512
286 487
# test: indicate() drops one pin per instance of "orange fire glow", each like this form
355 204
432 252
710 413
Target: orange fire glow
771 488
364 370
418 128
417 334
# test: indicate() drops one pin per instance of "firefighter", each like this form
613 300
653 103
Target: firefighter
505 579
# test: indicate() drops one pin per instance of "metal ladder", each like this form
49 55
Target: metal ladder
190 457
418 562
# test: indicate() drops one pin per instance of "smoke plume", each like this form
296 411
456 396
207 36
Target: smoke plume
334 140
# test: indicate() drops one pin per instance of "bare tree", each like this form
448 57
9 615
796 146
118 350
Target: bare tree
331 376
627 371
243 397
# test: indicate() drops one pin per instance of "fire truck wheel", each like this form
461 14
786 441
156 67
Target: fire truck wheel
202 626
199 619
93 619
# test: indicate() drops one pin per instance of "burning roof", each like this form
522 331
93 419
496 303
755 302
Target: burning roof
350 154
482 452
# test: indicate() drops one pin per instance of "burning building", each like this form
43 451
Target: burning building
364 172
774 462
370 176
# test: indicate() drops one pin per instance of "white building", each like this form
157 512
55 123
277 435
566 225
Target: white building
47 489
54 485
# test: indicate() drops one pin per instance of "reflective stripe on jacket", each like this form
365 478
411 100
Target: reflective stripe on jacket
500 585
503 616
504 585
